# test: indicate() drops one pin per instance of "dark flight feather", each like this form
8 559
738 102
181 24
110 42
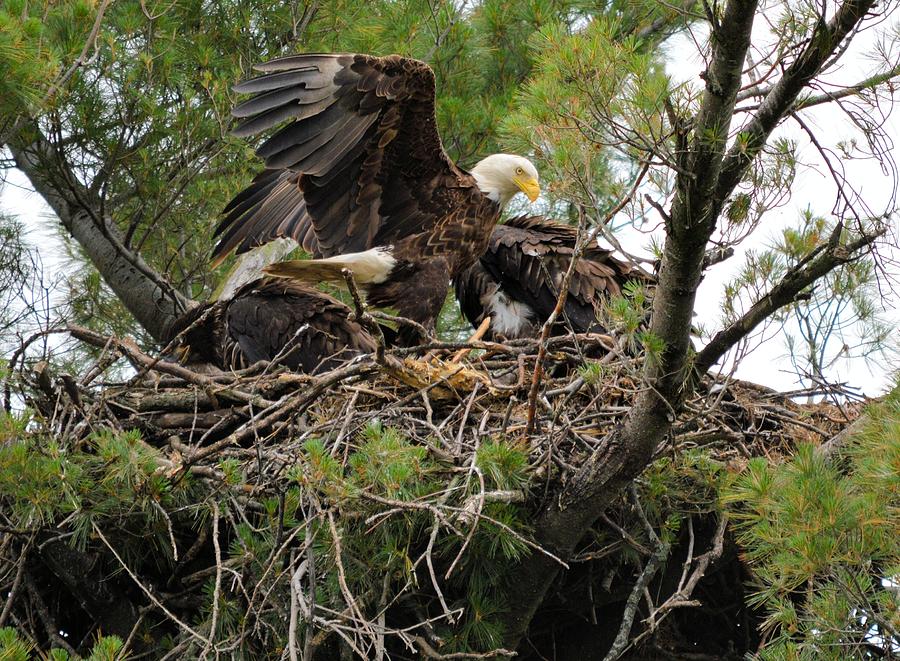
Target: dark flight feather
275 320
524 265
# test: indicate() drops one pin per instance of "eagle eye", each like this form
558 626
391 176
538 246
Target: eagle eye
519 171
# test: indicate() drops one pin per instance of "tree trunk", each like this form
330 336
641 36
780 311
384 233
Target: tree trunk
710 172
154 303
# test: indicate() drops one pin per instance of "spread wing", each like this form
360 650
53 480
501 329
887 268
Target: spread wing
527 259
359 163
271 207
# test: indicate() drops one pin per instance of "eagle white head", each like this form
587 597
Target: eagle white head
500 176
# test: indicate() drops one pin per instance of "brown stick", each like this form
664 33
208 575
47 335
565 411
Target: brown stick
128 347
479 333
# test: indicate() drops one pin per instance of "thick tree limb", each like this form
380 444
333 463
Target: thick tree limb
147 295
783 94
710 175
625 452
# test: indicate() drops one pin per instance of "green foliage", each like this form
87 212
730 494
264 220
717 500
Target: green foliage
388 462
115 480
595 95
821 539
107 648
591 372
673 489
504 465
13 648
36 40
653 345
627 316
838 317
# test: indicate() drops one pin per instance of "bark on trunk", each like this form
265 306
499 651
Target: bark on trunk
147 295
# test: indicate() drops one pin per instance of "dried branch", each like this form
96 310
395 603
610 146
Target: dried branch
782 96
621 643
17 582
363 317
682 597
130 349
430 653
802 103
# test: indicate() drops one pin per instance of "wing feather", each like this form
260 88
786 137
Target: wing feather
271 117
527 258
281 98
305 329
362 145
248 218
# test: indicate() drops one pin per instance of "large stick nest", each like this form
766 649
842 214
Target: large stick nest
449 400
445 396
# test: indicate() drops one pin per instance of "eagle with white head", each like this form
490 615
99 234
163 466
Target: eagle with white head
359 177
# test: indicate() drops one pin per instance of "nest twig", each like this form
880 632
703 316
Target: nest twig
261 419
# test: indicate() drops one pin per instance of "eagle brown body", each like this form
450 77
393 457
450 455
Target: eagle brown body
518 279
359 176
274 320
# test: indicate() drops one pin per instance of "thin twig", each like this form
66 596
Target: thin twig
147 592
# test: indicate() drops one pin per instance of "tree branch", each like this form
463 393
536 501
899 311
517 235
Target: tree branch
818 99
783 94
622 638
622 454
710 175
794 282
154 303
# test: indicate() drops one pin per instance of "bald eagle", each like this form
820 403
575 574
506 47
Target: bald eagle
516 281
274 320
359 177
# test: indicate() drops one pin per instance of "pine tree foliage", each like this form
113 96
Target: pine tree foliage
821 536
111 488
656 512
13 648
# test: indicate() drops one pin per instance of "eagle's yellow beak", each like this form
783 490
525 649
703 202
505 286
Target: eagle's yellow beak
529 186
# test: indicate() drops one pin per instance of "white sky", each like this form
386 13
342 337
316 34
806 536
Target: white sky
768 363
814 188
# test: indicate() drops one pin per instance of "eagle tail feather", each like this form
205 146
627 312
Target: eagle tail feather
372 266
306 270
